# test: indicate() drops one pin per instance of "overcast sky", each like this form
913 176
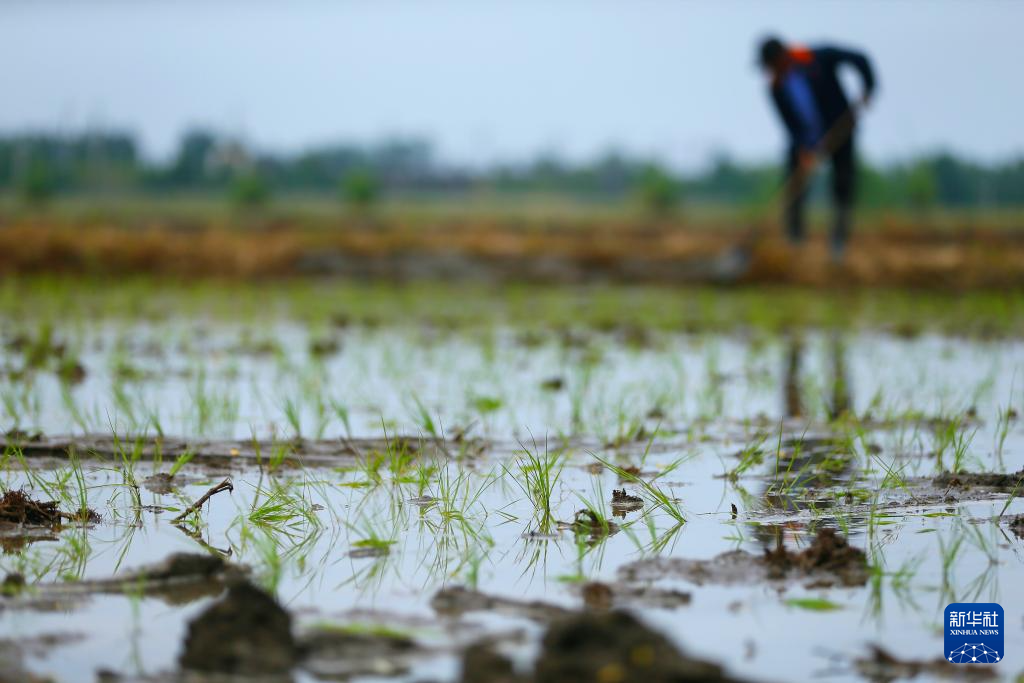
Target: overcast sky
502 80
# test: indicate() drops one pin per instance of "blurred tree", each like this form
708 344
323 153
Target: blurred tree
359 188
36 185
922 189
658 191
250 189
190 165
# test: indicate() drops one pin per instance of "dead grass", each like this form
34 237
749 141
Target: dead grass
891 253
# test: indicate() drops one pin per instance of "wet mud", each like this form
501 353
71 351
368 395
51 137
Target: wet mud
457 601
610 647
179 579
990 480
624 503
247 632
829 560
881 666
16 507
235 453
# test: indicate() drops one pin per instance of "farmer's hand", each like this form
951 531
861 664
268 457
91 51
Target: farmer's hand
807 161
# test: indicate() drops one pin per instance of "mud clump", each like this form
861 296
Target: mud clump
623 502
1017 525
597 595
966 480
456 601
830 553
340 653
16 507
883 667
587 523
481 664
828 561
247 632
183 566
589 647
160 483
615 647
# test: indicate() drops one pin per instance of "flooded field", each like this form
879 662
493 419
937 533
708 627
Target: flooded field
443 484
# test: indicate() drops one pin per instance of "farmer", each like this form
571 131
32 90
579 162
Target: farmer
810 100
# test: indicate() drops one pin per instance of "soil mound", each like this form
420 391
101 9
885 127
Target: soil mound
17 507
966 480
829 553
247 632
611 647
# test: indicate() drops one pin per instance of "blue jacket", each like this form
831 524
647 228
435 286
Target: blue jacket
809 96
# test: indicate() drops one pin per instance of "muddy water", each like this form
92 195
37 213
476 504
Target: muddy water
580 394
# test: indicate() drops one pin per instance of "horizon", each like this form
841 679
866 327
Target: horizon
468 78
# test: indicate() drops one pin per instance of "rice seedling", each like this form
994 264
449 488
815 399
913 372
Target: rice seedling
649 490
751 456
536 474
342 412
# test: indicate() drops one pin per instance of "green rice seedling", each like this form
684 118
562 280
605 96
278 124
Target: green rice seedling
577 394
751 456
323 419
961 443
595 505
485 405
537 474
269 554
948 553
458 499
400 456
371 536
279 454
71 406
813 604
183 459
424 474
582 549
343 414
649 490
472 573
125 405
657 541
283 508
1003 421
73 554
81 490
293 414
426 422
945 438
1012 496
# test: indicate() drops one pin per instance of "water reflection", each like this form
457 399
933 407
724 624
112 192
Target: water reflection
797 395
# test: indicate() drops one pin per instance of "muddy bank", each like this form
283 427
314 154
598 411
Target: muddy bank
665 252
180 579
829 560
991 480
230 452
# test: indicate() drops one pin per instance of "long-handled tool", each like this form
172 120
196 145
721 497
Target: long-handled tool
735 262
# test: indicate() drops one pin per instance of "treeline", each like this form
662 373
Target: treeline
38 167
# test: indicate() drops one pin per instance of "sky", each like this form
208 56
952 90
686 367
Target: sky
490 81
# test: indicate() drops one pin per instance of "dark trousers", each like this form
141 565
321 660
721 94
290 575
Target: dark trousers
843 187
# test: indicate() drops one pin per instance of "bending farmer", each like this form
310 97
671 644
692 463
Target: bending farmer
810 100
